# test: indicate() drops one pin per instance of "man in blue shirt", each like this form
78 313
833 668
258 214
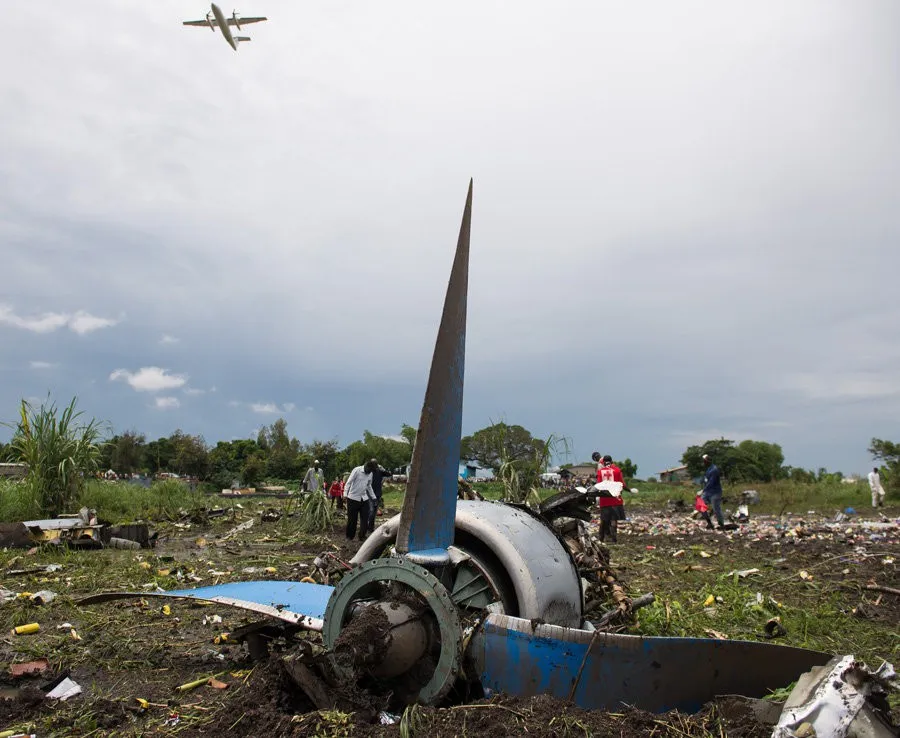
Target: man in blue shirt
712 490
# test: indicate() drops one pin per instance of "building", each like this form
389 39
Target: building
588 469
675 474
14 471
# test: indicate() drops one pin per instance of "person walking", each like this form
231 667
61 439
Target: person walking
336 493
359 494
877 489
314 479
612 508
378 486
712 491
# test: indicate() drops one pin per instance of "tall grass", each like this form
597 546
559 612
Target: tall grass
116 502
59 451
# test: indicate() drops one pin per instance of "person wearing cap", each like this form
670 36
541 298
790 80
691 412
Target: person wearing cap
612 508
712 490
314 479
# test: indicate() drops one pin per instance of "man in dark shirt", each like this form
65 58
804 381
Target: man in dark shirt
377 481
712 489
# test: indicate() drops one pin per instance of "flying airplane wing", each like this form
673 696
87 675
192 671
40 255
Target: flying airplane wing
231 21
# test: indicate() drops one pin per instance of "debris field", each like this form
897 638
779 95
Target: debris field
152 667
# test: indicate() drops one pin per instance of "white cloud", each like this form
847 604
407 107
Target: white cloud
80 322
264 407
269 407
83 322
150 379
842 386
41 364
167 339
166 403
44 323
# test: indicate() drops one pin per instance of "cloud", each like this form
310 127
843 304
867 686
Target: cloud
81 322
150 379
40 364
194 391
166 403
842 387
45 323
267 407
168 340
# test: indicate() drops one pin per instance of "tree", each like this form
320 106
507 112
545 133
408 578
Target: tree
127 452
749 461
191 455
59 451
628 467
499 443
159 455
252 470
889 453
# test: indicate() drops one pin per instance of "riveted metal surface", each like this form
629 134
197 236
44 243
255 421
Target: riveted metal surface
540 568
421 581
655 674
430 502
299 603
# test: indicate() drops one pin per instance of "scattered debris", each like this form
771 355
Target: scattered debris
29 668
65 689
841 699
28 629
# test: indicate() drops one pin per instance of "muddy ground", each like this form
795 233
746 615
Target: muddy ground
130 656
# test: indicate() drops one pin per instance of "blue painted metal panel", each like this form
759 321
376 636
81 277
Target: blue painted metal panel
429 508
299 603
303 597
654 674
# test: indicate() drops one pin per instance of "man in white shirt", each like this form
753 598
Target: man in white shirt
314 479
877 489
360 495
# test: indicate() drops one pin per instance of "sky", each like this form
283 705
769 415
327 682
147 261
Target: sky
685 219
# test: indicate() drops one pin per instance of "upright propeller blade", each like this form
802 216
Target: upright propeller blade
429 509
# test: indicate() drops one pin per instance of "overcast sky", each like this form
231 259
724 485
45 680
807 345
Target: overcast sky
685 219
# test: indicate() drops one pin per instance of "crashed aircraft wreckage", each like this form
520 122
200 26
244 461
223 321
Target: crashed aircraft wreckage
487 595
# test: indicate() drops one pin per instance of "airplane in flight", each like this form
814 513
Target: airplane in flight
216 18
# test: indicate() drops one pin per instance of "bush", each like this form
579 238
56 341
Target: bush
59 452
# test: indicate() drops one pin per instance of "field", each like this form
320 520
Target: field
130 656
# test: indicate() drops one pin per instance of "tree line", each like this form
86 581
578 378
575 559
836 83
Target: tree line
759 461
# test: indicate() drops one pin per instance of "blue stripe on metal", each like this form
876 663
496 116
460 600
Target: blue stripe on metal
300 597
654 674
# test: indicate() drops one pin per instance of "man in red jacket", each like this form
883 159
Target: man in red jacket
612 509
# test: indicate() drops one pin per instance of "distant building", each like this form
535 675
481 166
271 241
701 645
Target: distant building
588 469
675 474
14 471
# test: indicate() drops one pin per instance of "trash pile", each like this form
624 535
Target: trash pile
790 527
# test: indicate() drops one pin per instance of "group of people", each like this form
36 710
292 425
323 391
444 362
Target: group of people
612 507
362 489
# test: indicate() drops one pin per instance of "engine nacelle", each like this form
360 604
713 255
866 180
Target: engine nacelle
237 21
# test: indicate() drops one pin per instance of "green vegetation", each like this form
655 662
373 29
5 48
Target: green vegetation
59 452
116 502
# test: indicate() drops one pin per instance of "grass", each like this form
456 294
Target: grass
816 612
116 502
